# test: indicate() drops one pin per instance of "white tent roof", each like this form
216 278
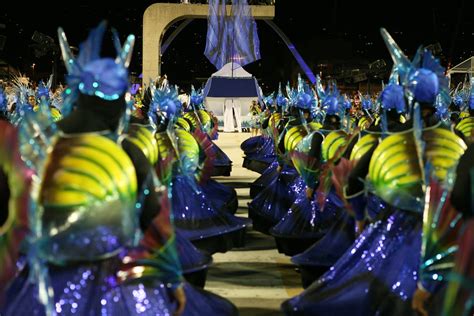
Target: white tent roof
232 69
465 67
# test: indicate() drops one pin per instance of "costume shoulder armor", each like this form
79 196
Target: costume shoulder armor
183 123
144 139
274 120
332 142
395 172
88 196
363 145
188 150
443 149
466 126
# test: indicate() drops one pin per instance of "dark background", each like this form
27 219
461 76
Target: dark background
337 38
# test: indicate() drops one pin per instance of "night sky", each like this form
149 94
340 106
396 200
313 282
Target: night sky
344 34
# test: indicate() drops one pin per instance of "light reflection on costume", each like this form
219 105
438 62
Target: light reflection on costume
379 273
102 241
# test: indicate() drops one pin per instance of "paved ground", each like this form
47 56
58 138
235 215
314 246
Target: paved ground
257 279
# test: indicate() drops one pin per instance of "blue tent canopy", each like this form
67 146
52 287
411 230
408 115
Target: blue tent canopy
220 87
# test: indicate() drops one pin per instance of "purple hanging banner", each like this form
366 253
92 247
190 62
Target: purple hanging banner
231 38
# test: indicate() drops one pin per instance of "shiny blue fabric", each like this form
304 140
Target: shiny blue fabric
276 198
259 148
375 206
358 204
376 276
268 175
194 215
231 38
305 219
220 195
190 258
91 289
222 160
216 40
326 251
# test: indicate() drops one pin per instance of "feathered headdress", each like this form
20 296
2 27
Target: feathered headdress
269 100
164 105
303 97
366 102
89 73
197 98
44 89
281 100
423 79
331 100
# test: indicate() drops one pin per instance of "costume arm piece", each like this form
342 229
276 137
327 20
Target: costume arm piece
16 225
156 256
204 171
441 225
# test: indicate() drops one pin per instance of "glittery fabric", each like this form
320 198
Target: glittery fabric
326 251
265 178
252 145
338 239
221 196
305 219
190 258
91 289
195 216
376 276
375 206
259 148
222 160
274 201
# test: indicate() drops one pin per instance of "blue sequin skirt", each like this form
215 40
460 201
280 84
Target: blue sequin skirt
260 148
222 163
267 176
305 223
91 289
305 219
274 201
338 239
222 197
194 215
376 276
326 251
191 258
251 145
259 153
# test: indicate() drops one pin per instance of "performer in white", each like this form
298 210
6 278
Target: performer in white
231 108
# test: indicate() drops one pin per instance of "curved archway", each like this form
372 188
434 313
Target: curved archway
160 16
307 71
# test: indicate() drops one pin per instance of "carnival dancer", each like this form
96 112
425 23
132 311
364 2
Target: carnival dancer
189 164
378 274
310 146
277 186
466 124
97 197
266 156
223 197
259 150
